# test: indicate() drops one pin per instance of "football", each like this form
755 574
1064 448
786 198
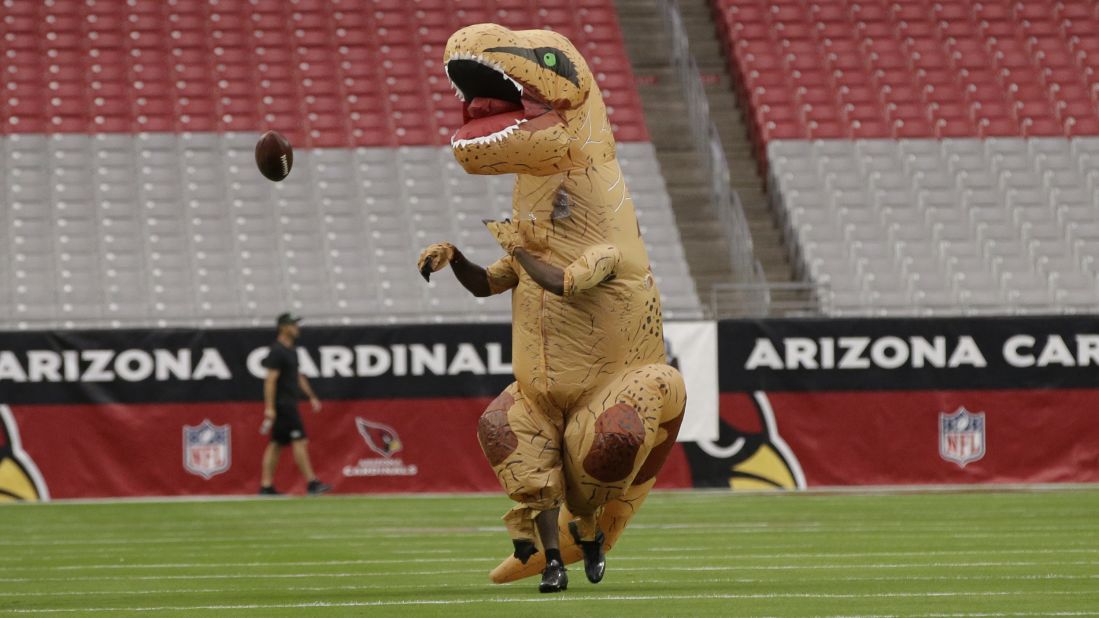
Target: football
274 156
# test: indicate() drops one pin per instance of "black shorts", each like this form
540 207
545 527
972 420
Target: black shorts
288 426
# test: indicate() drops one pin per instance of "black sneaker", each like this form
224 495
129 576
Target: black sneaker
555 577
269 491
595 561
317 488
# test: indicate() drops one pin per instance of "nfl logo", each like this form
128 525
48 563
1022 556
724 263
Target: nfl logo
962 436
206 449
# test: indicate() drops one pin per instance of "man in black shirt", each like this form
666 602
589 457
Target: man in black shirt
281 391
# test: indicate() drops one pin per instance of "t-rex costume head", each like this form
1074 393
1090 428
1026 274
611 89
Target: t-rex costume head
529 103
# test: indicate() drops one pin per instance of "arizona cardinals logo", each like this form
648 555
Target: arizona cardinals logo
382 439
749 451
19 477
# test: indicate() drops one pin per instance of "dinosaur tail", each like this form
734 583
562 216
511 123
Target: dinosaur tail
615 515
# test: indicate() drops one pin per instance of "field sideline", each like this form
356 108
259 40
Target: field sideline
1017 553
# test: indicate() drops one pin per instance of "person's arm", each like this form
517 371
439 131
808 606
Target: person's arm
551 278
472 276
595 265
303 382
269 385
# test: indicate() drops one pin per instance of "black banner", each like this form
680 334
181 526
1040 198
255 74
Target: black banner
903 353
134 366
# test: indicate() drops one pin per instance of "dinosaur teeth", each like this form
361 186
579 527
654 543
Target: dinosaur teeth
492 138
457 91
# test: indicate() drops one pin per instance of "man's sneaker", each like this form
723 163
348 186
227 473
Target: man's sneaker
555 577
317 488
595 561
269 491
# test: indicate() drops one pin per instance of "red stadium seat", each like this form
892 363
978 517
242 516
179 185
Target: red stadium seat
1081 126
1041 126
948 68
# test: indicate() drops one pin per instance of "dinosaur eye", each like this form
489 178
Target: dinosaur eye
549 59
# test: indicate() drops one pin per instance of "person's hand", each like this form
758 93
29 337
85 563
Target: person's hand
316 404
268 421
506 233
435 258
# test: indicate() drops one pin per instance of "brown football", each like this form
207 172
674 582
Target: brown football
274 156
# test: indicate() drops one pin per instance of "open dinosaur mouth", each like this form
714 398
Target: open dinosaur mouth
493 104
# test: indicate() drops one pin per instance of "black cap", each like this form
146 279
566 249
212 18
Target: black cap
288 318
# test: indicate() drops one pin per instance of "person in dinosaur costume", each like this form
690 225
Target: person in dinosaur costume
578 439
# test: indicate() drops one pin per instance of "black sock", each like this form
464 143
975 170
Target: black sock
553 554
524 549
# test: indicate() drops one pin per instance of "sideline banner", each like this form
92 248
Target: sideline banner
803 403
177 412
912 401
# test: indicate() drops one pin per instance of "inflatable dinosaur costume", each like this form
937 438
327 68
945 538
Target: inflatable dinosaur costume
595 408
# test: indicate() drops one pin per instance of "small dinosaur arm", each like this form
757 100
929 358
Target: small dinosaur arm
595 408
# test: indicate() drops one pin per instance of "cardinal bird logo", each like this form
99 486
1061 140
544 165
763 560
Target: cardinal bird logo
749 452
20 479
382 439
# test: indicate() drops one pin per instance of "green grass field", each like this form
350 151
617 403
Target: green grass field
686 554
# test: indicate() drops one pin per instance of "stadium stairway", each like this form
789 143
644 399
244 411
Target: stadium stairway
744 168
649 50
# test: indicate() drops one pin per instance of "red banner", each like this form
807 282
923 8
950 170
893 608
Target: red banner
804 403
912 402
364 446
897 438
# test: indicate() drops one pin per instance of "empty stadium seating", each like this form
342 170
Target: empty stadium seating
166 229
815 69
126 160
325 73
928 226
929 156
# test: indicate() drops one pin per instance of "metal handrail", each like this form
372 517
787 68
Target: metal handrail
769 299
710 152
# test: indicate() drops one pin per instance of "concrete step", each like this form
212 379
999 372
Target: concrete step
649 49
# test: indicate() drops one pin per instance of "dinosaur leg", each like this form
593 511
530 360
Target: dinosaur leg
523 445
614 448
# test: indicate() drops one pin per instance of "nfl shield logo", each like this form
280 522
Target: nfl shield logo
962 436
206 449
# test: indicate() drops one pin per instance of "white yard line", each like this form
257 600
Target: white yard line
615 557
589 599
92 578
955 615
480 586
682 494
473 569
942 531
